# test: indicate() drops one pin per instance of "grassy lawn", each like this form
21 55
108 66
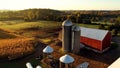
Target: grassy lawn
104 23
38 24
25 25
88 25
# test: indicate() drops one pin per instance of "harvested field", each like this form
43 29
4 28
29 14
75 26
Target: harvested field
15 48
7 35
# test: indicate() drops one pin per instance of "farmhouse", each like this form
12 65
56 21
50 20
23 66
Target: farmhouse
97 39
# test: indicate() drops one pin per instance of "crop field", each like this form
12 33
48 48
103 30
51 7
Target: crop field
17 39
14 48
4 35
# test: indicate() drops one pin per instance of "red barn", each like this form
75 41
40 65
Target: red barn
96 39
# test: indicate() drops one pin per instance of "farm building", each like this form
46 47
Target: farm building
97 39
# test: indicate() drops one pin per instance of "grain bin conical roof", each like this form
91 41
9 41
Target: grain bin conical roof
76 28
28 65
66 59
67 23
38 66
48 49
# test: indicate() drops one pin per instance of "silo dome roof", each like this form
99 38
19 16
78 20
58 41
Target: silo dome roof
28 65
48 49
67 23
38 66
76 28
66 59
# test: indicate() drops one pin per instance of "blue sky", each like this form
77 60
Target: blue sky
61 4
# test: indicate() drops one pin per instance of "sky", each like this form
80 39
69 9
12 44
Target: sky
60 4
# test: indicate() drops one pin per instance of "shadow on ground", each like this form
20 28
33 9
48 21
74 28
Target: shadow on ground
107 57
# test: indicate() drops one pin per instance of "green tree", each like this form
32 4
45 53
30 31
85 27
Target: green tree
101 26
118 19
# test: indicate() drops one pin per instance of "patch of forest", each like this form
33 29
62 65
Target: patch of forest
78 16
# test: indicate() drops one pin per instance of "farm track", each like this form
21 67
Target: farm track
38 52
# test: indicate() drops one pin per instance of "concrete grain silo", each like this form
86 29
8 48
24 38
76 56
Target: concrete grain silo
76 39
66 35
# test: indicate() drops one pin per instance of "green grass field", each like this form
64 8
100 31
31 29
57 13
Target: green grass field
25 25
89 25
19 25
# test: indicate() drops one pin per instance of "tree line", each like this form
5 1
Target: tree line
30 14
55 15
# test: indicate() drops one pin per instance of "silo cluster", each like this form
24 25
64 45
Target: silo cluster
70 37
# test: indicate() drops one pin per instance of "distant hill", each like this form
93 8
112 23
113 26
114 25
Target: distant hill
29 14
57 15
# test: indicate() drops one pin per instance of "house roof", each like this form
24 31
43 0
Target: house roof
48 49
115 64
67 23
93 33
66 59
